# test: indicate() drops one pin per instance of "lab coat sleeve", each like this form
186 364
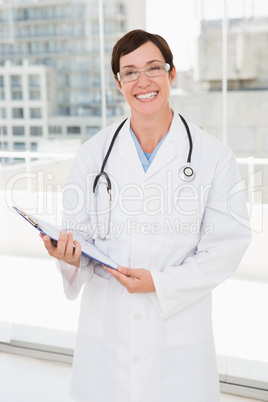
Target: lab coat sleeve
73 278
217 254
76 219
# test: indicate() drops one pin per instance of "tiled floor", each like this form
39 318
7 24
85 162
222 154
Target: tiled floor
32 380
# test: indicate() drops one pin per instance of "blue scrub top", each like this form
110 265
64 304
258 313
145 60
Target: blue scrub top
146 158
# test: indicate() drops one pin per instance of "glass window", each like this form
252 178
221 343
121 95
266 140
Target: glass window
55 130
3 130
3 112
36 131
19 146
17 113
34 94
3 145
18 130
34 146
35 113
16 95
16 81
92 130
227 96
73 130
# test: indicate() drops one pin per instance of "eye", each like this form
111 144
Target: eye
129 73
155 67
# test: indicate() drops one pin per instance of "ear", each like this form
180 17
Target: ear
119 85
172 75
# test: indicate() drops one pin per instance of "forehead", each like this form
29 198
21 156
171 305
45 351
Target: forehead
141 56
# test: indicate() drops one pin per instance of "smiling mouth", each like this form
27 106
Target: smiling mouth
150 95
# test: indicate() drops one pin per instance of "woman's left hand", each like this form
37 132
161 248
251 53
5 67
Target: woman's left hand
134 280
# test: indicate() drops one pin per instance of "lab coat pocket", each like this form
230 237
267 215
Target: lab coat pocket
92 306
191 325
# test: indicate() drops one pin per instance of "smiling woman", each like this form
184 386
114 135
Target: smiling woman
148 323
147 93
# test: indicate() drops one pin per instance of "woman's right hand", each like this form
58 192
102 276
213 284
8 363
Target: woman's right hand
66 249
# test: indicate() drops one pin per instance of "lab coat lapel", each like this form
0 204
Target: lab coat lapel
127 149
165 154
169 148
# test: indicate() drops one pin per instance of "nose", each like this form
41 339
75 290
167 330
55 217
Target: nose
143 79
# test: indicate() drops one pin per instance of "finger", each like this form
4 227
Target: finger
135 273
61 244
48 244
77 250
125 281
69 246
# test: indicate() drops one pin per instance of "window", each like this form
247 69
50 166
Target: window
3 112
19 146
3 145
3 130
34 80
16 95
56 130
92 130
34 94
36 131
230 106
73 130
35 113
34 146
17 113
18 130
15 81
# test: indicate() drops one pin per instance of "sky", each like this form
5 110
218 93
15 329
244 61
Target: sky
177 21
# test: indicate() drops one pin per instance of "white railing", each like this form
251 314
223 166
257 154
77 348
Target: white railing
250 161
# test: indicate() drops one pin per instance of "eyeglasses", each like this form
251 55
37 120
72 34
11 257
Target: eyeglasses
153 70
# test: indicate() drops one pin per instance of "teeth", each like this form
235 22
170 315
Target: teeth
147 96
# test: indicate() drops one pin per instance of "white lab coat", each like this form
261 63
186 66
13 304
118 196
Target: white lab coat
157 346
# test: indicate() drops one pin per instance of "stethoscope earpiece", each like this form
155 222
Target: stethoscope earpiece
186 173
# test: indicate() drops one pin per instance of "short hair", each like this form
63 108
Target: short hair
132 41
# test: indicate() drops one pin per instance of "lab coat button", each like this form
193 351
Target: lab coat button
136 359
137 316
144 185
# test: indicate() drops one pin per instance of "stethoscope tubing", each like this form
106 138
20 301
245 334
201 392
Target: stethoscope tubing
186 173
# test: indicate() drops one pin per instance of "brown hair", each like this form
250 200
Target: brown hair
132 41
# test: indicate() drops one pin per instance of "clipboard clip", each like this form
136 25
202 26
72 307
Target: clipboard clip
30 220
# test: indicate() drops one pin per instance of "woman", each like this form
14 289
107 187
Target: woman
145 332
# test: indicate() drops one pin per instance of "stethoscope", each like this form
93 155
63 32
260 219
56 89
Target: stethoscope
186 173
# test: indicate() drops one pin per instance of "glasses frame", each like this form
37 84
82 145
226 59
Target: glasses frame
145 70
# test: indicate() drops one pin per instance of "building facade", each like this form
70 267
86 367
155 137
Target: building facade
200 98
62 36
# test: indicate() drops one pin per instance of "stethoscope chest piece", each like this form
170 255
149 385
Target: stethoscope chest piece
186 173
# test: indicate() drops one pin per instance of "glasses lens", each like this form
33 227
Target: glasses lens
155 69
129 74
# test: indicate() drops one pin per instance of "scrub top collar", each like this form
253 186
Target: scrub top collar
145 157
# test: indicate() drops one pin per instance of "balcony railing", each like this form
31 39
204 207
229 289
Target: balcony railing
255 180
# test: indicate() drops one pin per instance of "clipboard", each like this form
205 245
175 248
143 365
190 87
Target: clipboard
52 231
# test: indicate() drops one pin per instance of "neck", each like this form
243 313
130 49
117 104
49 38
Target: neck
149 130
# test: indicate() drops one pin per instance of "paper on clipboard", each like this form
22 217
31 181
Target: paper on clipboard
53 232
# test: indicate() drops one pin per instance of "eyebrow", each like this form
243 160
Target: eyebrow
147 63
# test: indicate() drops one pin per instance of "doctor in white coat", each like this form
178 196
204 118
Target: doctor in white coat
145 330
